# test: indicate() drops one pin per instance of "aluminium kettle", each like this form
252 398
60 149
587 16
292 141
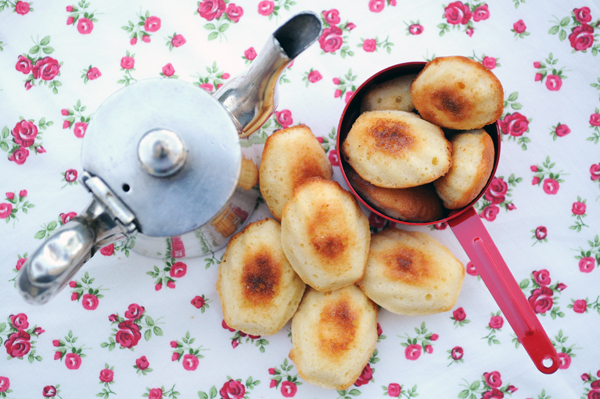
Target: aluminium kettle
170 167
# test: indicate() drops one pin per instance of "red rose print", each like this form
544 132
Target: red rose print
580 306
175 357
553 82
415 29
489 62
471 270
595 119
332 17
66 124
234 13
284 118
459 314
519 26
128 335
10 196
493 394
582 37
25 133
369 45
23 65
18 344
93 73
158 287
586 265
74 296
5 210
578 208
331 39
337 93
273 384
542 277
70 175
72 361
250 54
266 7
19 321
582 14
155 393
152 24
314 76
190 362
428 348
288 389
174 344
108 250
211 9
481 13
538 77
541 232
89 301
57 355
85 26
365 376
551 186
134 311
376 5
198 302
232 390
133 41
348 96
562 130
535 181
457 353
457 13
490 212
171 284
127 62
413 351
22 7
70 20
493 379
46 68
178 270
394 390
207 86
142 363
376 221
565 360
335 159
514 124
541 299
595 172
49 391
469 32
496 191
585 377
107 375
20 262
496 322
168 70
79 129
146 38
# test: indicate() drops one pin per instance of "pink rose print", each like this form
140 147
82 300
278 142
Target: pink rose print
460 317
551 186
249 55
496 322
519 29
514 124
312 76
331 39
214 80
484 390
85 26
25 133
130 331
79 129
50 391
586 265
365 377
582 14
553 82
92 73
178 270
234 13
266 7
489 62
41 67
19 321
90 301
152 24
471 270
412 352
490 212
497 190
546 70
23 65
142 366
579 306
127 65
190 362
415 28
127 62
456 354
4 384
332 17
168 70
376 5
67 351
559 130
542 277
233 390
539 234
155 393
457 13
201 302
394 390
46 68
288 389
128 335
22 7
107 375
369 45
578 209
211 9
284 118
582 37
175 41
541 299
481 13
551 183
65 217
108 250
493 379
134 312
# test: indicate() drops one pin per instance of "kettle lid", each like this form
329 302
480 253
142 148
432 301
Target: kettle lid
168 150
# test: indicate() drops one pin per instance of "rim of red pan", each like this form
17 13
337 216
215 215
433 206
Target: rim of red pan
493 130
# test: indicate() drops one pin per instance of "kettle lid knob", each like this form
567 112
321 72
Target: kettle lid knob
161 152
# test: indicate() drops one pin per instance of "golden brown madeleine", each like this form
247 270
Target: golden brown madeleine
410 273
258 289
472 163
248 174
457 93
325 235
333 336
392 94
396 149
413 204
290 157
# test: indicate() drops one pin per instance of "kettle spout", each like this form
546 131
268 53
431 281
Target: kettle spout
251 98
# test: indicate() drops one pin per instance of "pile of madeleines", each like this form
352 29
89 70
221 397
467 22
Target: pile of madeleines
320 237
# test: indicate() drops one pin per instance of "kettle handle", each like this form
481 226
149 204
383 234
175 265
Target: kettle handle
55 262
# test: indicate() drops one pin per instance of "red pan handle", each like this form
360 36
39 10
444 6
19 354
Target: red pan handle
477 243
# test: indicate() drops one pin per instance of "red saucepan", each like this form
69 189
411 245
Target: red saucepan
473 237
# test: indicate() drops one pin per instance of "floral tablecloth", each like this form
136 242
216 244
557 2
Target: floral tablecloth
139 327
